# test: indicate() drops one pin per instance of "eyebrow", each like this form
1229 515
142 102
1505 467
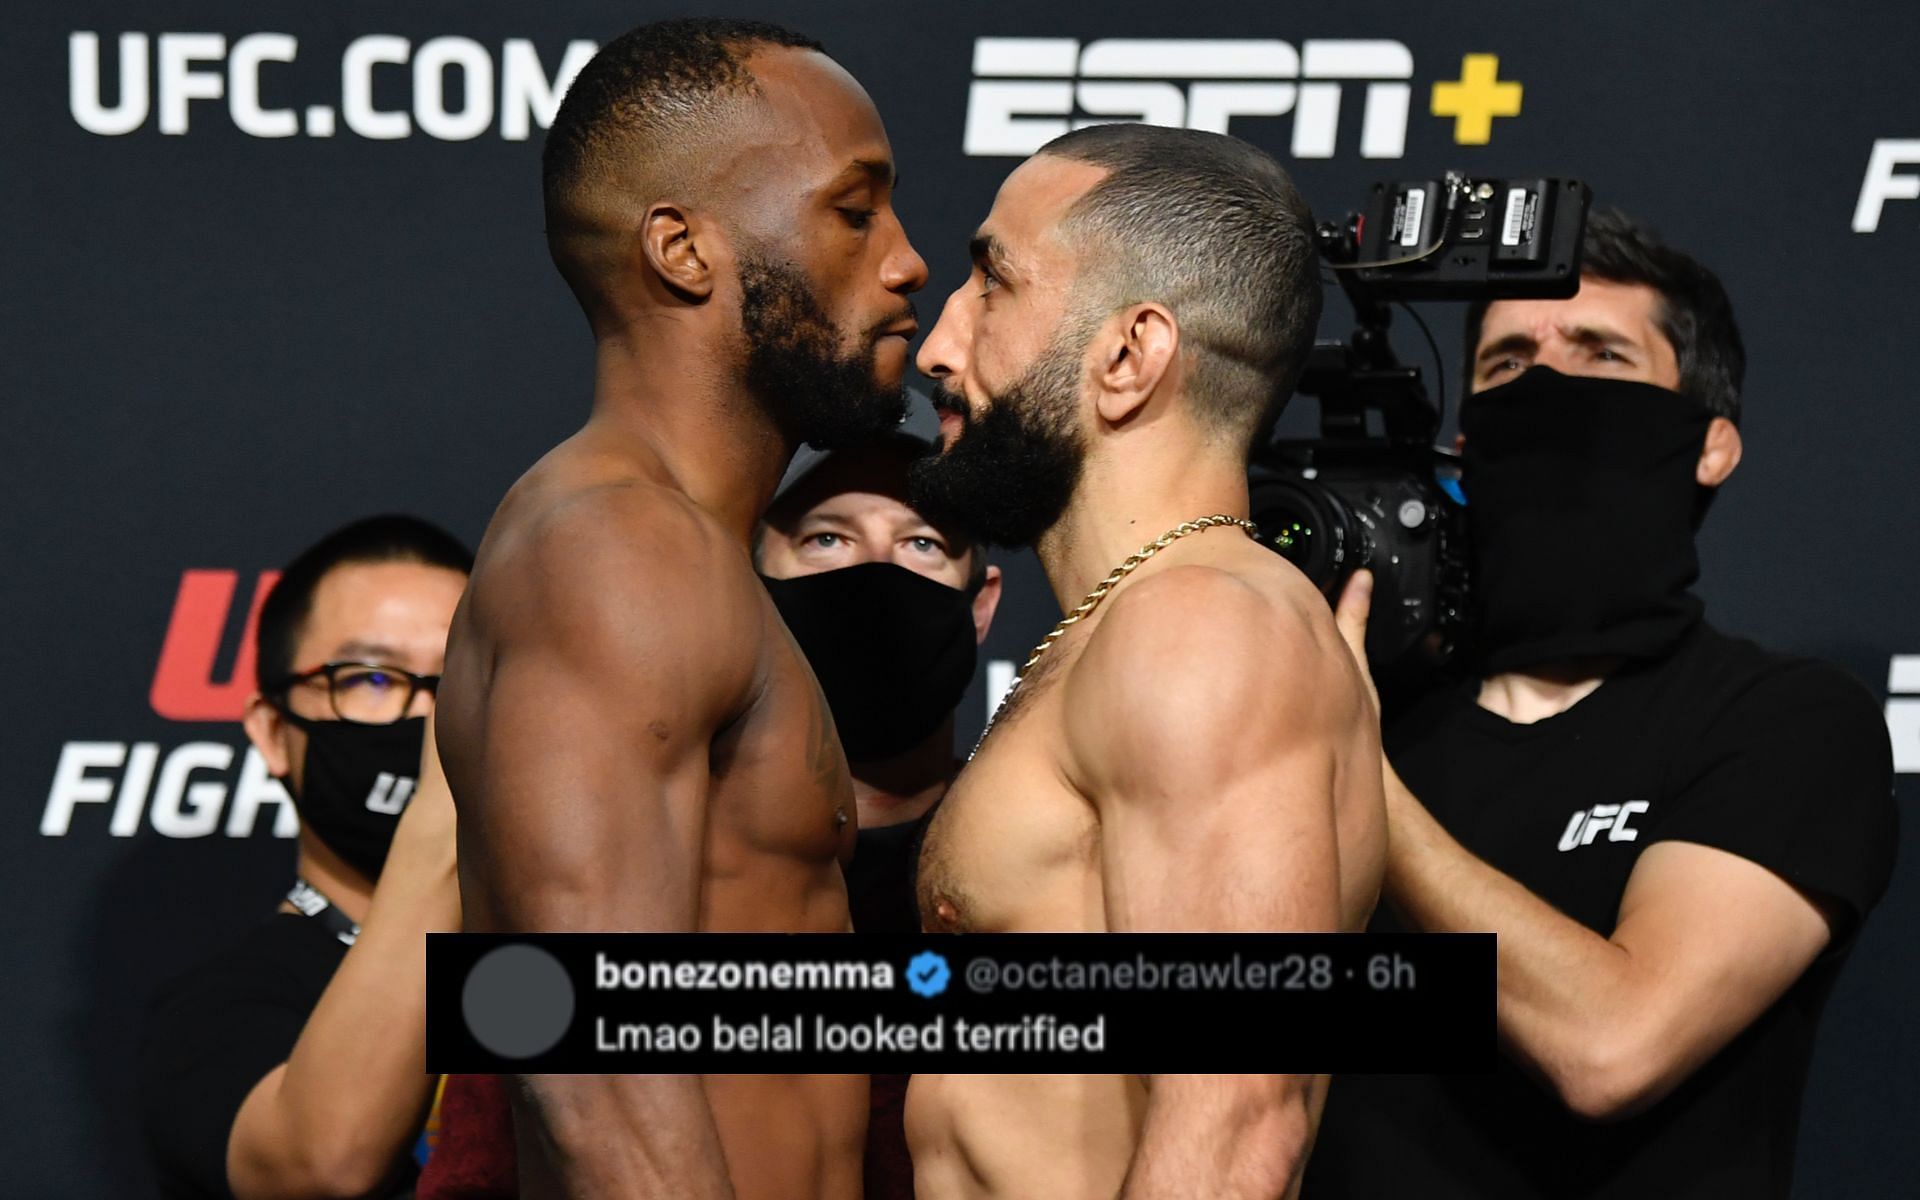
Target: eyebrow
372 652
1585 335
904 520
987 250
1509 344
877 171
821 516
1594 335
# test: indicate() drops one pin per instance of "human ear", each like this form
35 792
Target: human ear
1137 360
676 246
1720 455
986 602
267 730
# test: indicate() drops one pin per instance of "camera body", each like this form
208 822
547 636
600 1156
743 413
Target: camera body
1373 491
1463 239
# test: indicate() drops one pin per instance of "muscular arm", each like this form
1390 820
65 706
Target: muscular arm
1704 943
1208 747
622 643
331 1120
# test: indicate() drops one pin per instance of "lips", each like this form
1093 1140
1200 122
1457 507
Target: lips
904 325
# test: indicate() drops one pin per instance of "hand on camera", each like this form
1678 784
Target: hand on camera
1350 614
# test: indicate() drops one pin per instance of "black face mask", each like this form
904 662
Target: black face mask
356 781
893 651
1581 499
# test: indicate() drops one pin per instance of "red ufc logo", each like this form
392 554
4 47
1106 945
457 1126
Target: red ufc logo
184 688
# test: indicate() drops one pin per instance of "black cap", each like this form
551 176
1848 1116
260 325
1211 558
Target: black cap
918 433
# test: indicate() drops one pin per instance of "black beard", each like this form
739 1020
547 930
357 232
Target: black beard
795 368
1008 477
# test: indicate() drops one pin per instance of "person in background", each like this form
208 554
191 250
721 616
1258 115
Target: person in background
292 1065
890 611
1676 834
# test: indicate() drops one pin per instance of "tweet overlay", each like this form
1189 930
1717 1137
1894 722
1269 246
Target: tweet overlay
1139 1003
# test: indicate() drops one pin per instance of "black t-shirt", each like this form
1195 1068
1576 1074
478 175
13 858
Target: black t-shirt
880 879
1784 762
214 1032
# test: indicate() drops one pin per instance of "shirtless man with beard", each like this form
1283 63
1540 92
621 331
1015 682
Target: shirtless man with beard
1194 752
632 738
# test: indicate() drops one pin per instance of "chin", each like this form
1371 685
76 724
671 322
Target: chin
890 362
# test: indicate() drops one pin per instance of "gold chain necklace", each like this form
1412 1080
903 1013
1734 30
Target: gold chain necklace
1099 593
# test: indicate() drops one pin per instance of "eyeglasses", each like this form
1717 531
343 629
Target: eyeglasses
364 693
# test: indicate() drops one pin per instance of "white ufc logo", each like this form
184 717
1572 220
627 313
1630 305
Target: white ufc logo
390 794
1028 88
1903 712
1589 823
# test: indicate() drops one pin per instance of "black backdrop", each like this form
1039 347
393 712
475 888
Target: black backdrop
221 342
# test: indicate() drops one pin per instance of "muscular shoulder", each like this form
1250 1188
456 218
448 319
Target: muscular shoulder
1208 666
630 584
1202 636
625 557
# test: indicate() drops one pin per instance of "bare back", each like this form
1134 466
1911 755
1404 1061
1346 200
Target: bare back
1033 837
635 743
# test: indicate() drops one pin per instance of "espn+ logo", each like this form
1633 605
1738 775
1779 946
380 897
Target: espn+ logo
195 788
1026 90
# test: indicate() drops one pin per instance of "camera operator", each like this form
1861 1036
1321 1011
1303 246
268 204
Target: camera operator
1675 834
292 1065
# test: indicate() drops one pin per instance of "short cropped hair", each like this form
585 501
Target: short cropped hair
1696 315
390 538
651 95
1213 228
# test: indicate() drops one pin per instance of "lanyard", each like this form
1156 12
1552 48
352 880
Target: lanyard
309 901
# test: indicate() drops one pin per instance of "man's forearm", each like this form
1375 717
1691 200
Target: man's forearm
352 1093
622 1136
1560 982
1237 1137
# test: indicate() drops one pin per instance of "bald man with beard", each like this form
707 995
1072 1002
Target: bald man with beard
633 740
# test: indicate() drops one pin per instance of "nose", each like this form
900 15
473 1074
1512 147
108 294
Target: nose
904 271
943 353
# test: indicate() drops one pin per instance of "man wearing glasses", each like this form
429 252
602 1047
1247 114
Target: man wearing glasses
292 1064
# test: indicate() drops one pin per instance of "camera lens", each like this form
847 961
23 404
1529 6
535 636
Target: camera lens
1309 526
1294 541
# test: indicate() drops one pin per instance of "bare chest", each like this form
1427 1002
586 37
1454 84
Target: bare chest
780 805
1013 847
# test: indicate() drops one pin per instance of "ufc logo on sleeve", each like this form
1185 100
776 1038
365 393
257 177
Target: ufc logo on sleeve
1586 825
